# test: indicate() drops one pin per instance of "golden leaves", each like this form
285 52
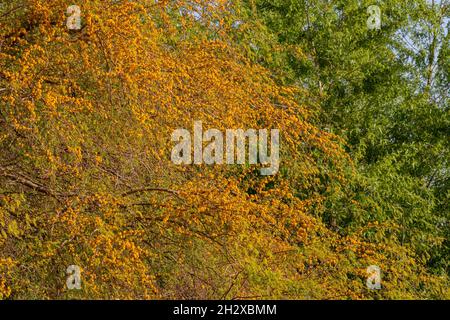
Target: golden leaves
88 117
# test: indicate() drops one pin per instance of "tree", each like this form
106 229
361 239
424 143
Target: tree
86 177
385 92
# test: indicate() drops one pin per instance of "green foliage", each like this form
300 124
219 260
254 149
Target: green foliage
387 93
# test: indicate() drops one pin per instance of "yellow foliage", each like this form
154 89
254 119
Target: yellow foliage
86 177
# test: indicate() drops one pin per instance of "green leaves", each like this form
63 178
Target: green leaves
386 92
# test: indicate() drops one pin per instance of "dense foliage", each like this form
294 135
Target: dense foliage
86 178
387 93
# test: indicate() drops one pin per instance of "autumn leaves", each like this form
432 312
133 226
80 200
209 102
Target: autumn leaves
88 115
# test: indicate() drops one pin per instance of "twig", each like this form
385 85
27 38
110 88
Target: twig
145 189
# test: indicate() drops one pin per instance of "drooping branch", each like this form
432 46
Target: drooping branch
25 181
146 189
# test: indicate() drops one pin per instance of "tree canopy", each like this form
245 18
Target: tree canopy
86 179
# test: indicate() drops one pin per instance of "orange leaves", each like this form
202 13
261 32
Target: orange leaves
6 265
85 137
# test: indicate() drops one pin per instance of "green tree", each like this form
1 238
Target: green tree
385 91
